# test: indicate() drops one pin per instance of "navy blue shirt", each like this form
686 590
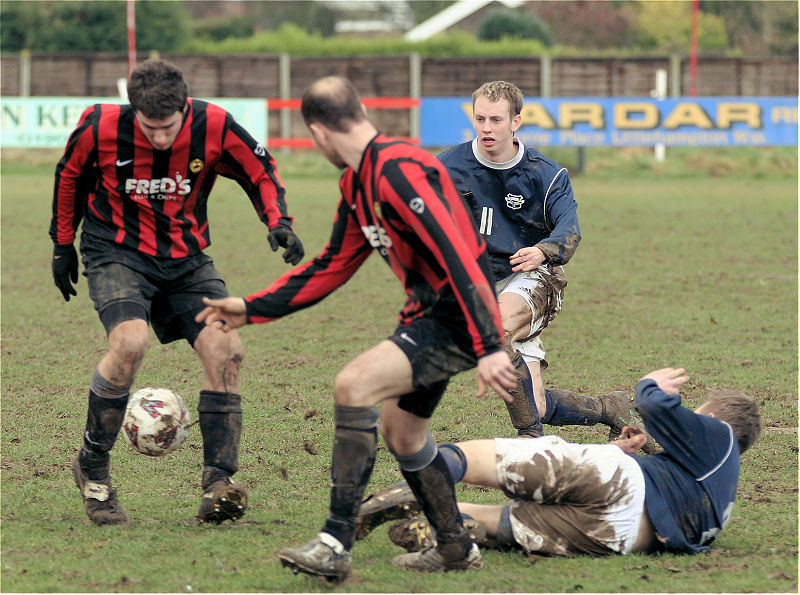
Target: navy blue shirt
527 201
690 486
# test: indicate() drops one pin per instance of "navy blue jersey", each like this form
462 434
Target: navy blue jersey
402 204
527 201
690 486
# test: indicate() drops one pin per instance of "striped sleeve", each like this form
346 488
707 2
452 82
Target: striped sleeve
255 170
310 282
73 174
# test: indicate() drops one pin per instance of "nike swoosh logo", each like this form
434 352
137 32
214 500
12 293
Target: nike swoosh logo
405 337
124 163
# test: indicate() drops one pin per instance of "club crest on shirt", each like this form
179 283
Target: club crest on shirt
260 151
196 165
417 205
514 201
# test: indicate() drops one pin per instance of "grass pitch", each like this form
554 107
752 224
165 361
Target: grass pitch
690 263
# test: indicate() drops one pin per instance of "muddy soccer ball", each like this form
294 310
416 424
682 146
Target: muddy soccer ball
156 421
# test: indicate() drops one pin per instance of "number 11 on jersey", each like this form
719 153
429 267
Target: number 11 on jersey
486 221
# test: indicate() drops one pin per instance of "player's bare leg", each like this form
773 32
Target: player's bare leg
477 467
108 398
220 417
533 405
427 474
381 374
378 374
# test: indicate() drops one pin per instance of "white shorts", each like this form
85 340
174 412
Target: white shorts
544 293
571 498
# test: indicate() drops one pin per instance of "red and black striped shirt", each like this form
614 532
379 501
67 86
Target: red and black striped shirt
154 201
402 203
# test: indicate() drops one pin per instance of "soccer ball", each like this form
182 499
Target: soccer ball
156 421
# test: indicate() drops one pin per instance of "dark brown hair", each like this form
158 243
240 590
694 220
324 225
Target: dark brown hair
157 89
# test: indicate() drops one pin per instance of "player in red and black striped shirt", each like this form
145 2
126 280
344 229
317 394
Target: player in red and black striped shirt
138 177
398 200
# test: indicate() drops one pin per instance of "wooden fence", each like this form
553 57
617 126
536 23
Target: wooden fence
283 77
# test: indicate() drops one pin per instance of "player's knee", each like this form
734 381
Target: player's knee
385 430
344 387
516 328
348 388
130 348
228 350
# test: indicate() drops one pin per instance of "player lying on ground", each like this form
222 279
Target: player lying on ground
598 499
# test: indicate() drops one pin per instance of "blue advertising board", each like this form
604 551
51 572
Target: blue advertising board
626 122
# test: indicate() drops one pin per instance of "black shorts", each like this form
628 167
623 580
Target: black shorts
167 293
438 347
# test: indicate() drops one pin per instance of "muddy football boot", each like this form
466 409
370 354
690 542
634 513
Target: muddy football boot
393 504
431 560
416 535
223 500
323 556
618 412
99 498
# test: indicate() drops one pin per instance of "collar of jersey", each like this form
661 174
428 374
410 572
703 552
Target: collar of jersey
493 165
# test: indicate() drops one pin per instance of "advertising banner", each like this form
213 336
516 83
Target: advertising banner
47 122
627 122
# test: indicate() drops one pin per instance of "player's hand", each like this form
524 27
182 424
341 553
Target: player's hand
495 370
65 268
226 313
285 238
526 259
631 439
668 379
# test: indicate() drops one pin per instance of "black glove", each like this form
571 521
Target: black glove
285 238
65 267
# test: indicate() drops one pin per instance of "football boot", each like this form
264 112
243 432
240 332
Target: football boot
416 535
393 504
224 499
99 498
322 556
431 560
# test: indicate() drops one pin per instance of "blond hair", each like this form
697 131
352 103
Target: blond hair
494 91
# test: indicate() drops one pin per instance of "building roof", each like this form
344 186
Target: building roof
451 15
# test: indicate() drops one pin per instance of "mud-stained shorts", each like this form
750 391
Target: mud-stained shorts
438 347
571 498
543 290
125 285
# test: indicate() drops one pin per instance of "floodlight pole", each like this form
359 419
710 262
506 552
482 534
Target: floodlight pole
131 22
693 55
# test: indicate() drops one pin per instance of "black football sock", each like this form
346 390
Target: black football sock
354 445
433 487
106 411
220 417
